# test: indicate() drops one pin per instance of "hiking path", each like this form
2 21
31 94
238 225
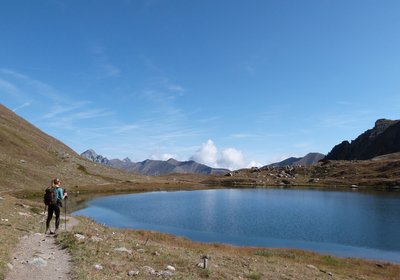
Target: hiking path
38 256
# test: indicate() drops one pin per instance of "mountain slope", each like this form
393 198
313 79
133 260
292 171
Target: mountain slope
307 160
29 158
154 167
383 138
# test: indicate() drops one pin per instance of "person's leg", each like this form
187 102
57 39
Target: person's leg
50 211
57 211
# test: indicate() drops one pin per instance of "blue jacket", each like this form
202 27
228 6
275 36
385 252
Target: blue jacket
59 193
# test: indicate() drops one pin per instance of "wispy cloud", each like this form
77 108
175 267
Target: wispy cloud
8 87
26 104
102 59
175 88
243 135
249 69
150 65
59 109
344 103
345 120
111 70
31 85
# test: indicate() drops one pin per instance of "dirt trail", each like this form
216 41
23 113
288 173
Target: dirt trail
37 256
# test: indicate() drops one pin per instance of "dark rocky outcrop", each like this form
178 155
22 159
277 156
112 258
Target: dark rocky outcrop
154 167
383 138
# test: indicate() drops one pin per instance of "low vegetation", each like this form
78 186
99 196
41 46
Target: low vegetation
18 218
107 253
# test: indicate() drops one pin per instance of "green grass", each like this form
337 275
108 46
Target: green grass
329 260
275 253
254 276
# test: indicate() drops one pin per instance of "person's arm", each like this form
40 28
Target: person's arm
60 194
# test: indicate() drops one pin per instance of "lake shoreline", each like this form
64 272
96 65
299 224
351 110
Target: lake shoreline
327 245
157 250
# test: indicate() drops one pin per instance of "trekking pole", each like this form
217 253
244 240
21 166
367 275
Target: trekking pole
65 210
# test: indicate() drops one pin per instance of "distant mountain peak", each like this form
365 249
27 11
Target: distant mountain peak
93 156
154 167
127 160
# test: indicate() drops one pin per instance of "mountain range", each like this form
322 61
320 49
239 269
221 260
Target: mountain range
154 167
383 138
307 160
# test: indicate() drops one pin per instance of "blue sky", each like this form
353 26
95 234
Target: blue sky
227 83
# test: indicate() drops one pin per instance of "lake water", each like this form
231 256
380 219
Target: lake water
338 223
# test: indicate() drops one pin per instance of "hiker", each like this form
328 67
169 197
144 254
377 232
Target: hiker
53 199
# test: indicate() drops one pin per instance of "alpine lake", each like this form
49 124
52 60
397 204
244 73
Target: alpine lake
341 223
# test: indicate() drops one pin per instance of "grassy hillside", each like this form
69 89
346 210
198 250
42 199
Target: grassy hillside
29 158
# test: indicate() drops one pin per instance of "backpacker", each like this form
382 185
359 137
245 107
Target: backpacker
50 196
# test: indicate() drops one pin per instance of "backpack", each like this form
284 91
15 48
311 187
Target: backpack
50 196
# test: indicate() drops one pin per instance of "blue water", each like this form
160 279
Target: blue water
350 224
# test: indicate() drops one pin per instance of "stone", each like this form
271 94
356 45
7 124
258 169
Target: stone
165 273
24 214
96 239
38 262
141 250
98 266
10 266
312 267
133 273
170 268
123 249
149 270
79 237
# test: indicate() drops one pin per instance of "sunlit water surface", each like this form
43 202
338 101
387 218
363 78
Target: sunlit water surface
338 223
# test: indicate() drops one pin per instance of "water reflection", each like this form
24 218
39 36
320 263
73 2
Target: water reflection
342 223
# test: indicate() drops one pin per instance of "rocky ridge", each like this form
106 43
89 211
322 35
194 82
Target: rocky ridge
307 160
383 138
154 167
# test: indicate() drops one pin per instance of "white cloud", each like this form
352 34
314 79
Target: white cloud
207 154
210 155
254 164
231 158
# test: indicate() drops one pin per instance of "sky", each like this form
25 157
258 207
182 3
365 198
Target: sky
226 83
